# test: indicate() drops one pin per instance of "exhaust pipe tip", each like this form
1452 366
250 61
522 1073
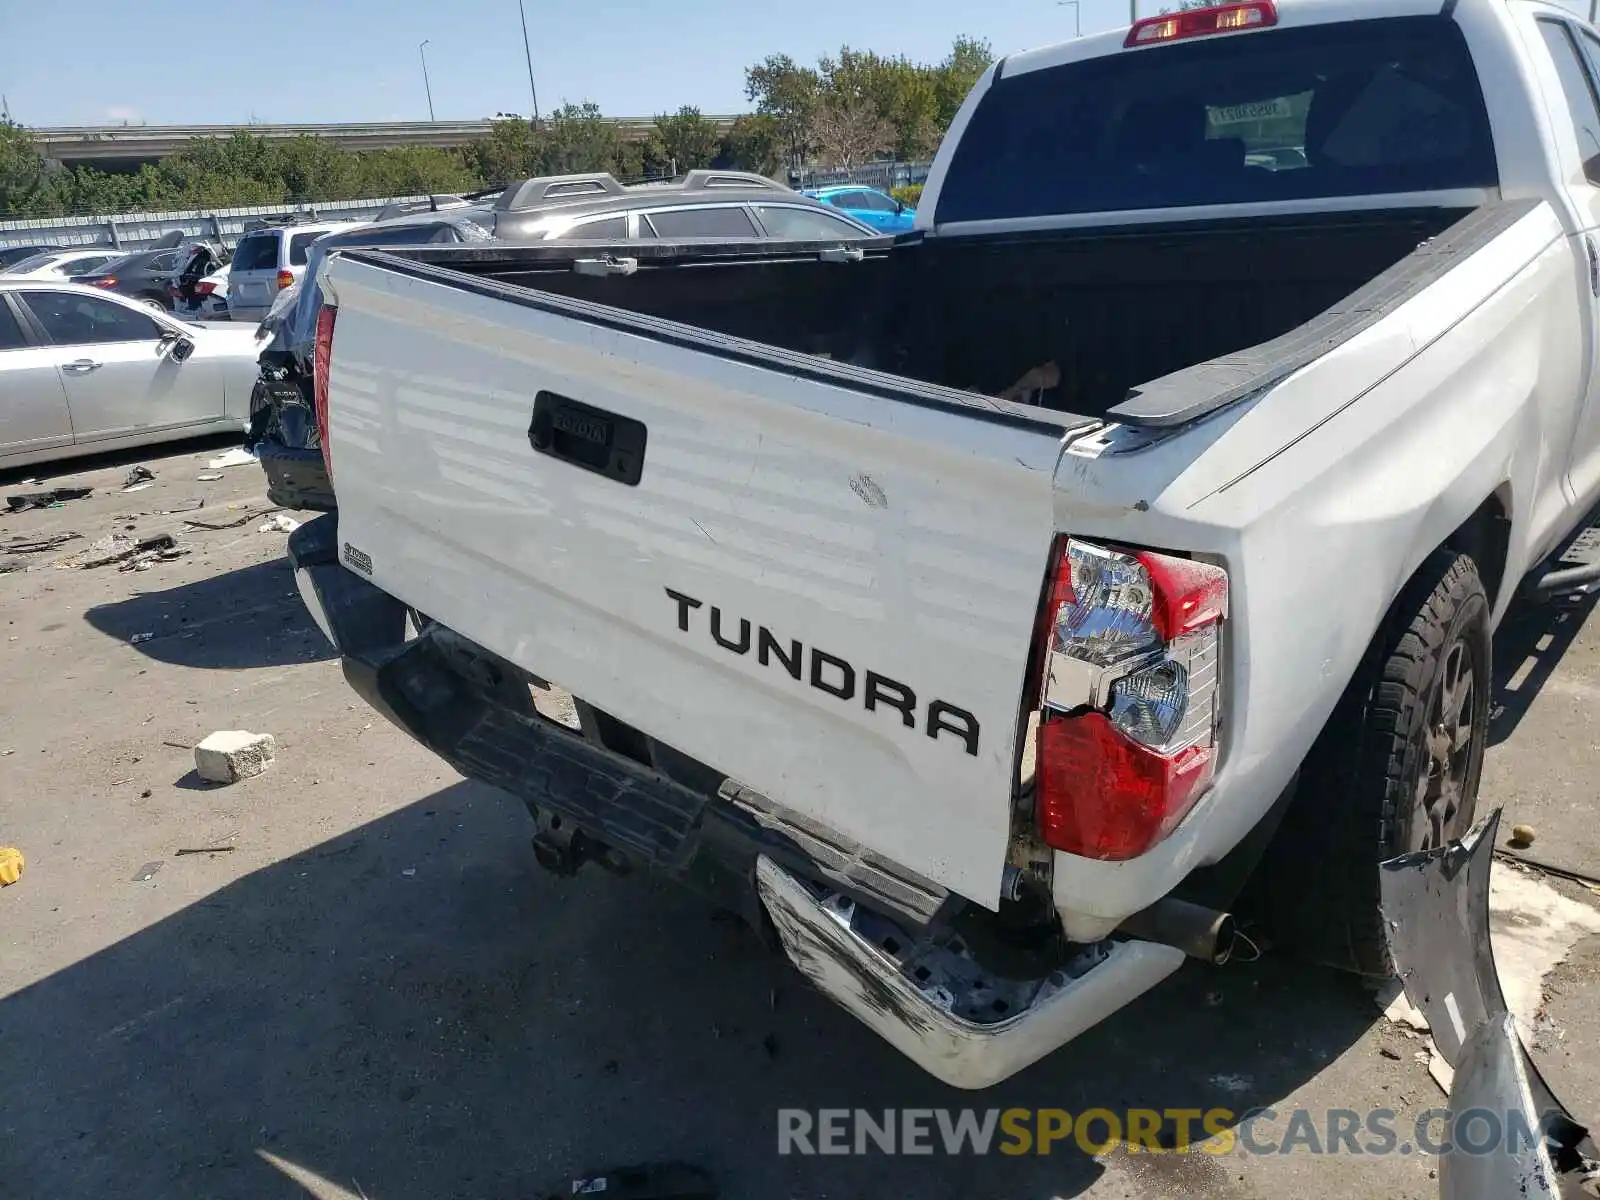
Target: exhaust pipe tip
1201 933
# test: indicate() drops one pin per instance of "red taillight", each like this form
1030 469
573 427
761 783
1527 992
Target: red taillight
285 279
105 281
1129 704
1102 795
204 289
1198 22
321 359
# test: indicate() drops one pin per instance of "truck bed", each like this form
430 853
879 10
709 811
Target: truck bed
1149 325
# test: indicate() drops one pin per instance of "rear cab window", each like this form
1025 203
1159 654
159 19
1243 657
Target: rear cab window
1353 108
257 252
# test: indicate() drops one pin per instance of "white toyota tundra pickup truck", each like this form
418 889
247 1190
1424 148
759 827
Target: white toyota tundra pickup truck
992 613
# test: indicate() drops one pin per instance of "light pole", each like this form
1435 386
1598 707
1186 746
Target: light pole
1077 15
426 86
528 54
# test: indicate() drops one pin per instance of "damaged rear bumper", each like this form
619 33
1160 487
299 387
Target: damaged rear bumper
933 1003
912 977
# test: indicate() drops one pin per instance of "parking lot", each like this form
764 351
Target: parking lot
347 977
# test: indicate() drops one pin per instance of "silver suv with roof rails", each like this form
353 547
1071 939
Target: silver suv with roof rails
703 204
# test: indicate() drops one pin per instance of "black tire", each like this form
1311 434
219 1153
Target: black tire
1395 769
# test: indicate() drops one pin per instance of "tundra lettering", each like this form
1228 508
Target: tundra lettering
832 674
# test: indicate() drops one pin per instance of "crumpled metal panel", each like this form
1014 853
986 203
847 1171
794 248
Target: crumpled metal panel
1436 910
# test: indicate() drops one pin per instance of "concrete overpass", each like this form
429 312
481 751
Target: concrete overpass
127 147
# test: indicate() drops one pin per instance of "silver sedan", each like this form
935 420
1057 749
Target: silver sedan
83 371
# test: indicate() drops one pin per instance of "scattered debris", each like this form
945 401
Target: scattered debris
184 506
1383 1050
1522 836
230 755
176 745
119 547
147 872
145 559
1233 1083
279 523
139 474
649 1181
6 753
1443 1073
50 499
228 524
208 477
409 872
38 543
237 457
204 850
137 638
1528 862
11 864
139 487
1398 1009
8 565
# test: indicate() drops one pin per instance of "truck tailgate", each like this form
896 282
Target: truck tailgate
821 581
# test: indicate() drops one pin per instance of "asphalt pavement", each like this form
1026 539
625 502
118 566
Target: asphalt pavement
354 982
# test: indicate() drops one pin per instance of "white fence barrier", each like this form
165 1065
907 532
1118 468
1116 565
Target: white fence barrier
135 231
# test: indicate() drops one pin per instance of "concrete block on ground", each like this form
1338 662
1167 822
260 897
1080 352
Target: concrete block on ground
230 755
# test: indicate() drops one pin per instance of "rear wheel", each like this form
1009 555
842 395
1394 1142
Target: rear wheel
1395 770
155 303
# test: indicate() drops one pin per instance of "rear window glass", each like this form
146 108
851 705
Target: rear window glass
257 252
300 243
33 263
1348 109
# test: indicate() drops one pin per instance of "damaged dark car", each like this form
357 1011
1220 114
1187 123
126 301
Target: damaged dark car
283 425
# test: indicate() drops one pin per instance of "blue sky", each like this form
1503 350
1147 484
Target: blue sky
355 60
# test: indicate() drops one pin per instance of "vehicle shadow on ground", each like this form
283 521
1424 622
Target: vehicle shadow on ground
251 617
412 1010
48 472
1528 647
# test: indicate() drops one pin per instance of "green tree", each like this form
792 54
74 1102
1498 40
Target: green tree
754 143
509 152
25 186
954 77
790 95
682 141
577 138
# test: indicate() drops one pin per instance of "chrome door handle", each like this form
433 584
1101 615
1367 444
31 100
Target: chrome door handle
81 366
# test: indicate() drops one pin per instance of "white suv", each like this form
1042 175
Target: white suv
268 260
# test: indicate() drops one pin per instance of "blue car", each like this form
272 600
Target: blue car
867 205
